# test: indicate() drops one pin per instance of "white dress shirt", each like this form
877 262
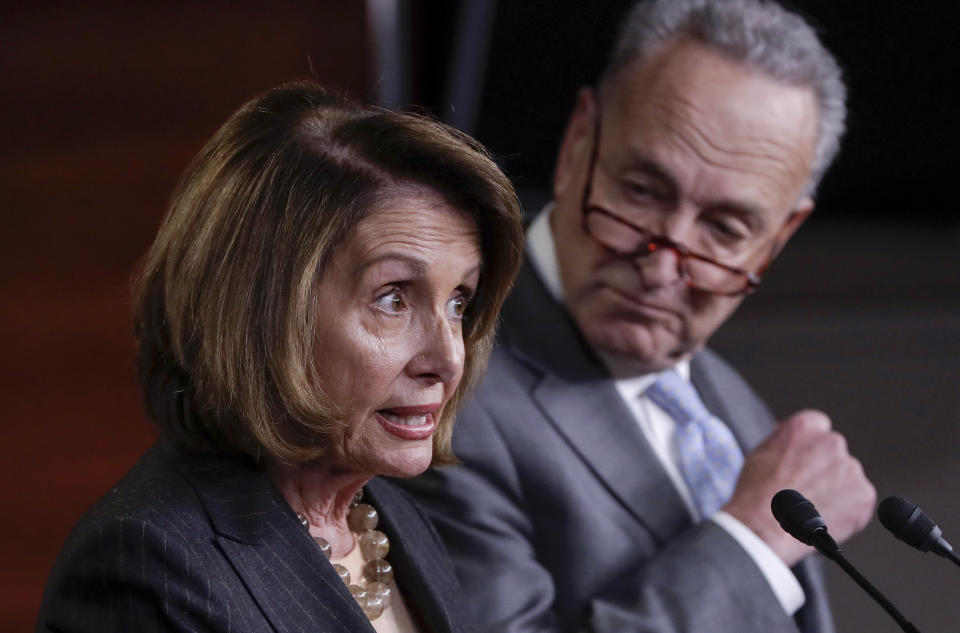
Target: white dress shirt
659 428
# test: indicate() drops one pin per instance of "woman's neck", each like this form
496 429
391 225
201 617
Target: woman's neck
323 494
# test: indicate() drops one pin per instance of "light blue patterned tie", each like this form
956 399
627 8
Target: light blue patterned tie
710 459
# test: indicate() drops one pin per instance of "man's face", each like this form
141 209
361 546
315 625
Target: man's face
693 147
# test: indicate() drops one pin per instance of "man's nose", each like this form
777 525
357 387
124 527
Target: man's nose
440 354
660 267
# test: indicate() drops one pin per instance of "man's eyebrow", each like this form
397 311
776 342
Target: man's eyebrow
651 167
747 210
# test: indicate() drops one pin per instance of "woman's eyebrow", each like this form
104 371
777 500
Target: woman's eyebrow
476 270
416 265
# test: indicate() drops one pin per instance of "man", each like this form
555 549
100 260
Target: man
616 474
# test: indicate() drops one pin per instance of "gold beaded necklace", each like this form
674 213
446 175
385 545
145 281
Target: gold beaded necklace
374 594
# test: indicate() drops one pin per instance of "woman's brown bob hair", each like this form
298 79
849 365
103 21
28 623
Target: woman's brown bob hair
225 303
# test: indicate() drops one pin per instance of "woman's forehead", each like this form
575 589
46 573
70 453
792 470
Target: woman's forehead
418 229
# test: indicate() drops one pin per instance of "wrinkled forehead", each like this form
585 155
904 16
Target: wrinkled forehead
419 220
692 99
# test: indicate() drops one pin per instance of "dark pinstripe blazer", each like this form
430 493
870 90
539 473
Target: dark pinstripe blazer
197 542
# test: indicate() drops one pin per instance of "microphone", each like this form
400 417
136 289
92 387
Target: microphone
911 525
799 518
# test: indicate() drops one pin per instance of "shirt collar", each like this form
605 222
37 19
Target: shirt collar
631 384
542 252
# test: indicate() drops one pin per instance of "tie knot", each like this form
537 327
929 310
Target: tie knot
677 397
708 455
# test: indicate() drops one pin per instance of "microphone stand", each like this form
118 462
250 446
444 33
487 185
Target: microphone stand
952 555
837 556
800 519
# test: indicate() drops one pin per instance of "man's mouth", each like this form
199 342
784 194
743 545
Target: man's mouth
642 304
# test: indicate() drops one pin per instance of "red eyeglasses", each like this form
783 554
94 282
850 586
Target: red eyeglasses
629 241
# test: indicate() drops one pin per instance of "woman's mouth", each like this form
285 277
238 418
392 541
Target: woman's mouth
409 423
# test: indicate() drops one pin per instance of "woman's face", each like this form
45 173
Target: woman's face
390 343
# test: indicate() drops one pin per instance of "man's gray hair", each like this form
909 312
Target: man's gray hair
757 33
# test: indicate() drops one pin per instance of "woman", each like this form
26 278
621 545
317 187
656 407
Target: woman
320 295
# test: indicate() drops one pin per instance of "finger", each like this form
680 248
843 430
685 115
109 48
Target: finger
797 430
809 420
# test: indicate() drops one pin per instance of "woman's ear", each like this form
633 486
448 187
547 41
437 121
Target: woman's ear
576 144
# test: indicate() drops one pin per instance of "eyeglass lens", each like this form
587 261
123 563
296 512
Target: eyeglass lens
626 240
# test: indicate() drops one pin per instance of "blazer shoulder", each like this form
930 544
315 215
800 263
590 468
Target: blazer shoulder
153 508
153 490
143 557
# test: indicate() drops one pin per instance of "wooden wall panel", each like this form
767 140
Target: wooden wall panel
103 104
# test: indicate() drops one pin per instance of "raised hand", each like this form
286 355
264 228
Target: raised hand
805 454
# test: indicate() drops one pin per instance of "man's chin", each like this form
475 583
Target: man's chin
638 352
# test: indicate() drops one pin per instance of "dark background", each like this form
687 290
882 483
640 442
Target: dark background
899 59
105 102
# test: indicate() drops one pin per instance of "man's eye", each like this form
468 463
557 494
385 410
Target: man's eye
392 302
727 230
638 189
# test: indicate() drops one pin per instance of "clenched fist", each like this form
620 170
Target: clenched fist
805 454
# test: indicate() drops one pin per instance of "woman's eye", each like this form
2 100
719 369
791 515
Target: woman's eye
391 302
456 307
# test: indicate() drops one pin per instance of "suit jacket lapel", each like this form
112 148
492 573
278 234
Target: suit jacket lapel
579 399
708 375
430 588
269 549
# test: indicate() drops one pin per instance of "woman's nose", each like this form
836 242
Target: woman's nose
440 357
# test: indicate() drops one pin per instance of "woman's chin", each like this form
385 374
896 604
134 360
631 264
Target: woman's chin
407 462
407 447
400 451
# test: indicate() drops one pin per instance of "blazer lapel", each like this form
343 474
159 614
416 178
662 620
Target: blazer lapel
725 396
268 548
577 396
423 573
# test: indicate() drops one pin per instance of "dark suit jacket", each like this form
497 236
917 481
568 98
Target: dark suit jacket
562 518
197 542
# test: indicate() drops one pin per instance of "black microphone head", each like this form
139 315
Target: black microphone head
797 515
907 522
